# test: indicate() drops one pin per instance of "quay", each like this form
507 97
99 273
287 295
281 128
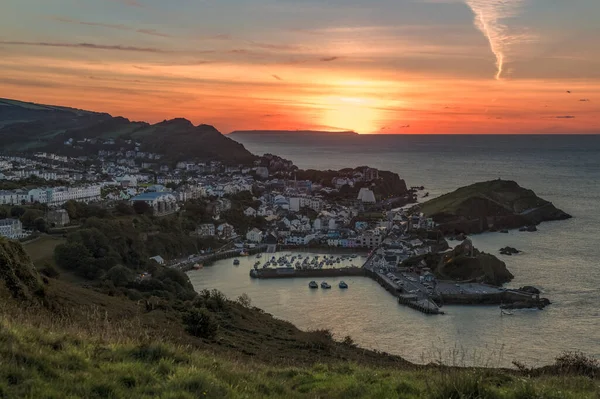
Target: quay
290 272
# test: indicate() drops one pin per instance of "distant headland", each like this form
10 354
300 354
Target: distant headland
293 132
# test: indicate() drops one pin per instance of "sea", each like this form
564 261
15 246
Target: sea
562 258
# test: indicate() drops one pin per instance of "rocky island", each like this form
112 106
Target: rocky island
490 206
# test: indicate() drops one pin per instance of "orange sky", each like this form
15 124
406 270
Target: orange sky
352 70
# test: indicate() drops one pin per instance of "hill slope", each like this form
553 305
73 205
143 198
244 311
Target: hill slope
33 127
80 343
496 204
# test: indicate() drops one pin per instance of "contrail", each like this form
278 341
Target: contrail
488 16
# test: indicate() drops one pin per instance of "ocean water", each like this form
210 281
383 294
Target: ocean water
562 258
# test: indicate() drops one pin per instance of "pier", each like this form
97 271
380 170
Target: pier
290 272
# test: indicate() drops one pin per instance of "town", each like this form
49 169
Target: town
229 211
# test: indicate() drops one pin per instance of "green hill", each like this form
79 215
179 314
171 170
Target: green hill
496 204
27 127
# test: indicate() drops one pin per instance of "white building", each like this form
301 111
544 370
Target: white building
250 212
206 230
11 228
254 235
59 195
370 239
163 203
366 196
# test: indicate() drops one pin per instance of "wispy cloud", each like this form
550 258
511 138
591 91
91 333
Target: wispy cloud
329 59
92 46
276 77
151 32
131 3
488 19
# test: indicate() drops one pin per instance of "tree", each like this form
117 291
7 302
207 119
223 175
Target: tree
123 208
120 275
72 255
71 208
40 225
142 208
17 211
28 218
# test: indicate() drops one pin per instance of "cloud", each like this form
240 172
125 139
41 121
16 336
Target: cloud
488 17
150 32
276 77
131 3
585 100
565 117
116 47
329 59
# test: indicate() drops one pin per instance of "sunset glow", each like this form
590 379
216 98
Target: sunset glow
423 66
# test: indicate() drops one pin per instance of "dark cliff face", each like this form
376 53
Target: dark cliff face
33 127
497 204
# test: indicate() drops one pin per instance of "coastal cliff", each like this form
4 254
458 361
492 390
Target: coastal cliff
491 205
466 263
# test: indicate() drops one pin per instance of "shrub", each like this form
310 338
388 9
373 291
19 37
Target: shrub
578 363
348 341
245 300
200 323
214 300
460 385
50 271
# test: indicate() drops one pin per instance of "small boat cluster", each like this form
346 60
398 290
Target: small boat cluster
304 262
325 285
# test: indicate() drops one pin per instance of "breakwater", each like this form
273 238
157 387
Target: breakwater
290 272
422 304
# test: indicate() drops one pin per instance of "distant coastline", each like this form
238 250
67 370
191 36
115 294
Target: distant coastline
292 132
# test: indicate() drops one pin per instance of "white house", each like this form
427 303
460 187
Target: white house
226 231
254 235
250 212
318 224
366 196
158 259
11 228
206 230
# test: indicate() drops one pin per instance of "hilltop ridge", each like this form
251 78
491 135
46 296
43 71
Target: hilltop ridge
28 127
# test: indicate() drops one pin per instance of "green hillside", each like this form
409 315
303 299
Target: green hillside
26 127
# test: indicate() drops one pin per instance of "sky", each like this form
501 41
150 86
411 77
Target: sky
377 66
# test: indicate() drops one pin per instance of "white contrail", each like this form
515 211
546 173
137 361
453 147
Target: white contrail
488 17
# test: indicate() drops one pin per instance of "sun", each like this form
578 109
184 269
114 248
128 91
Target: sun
351 113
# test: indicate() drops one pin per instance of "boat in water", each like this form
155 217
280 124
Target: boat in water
236 262
313 284
325 285
343 285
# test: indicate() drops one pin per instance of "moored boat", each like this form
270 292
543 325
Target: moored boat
313 284
325 285
236 262
343 285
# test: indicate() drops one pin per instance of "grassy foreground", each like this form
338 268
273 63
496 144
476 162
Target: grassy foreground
40 363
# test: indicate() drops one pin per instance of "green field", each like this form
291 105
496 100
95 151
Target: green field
42 250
